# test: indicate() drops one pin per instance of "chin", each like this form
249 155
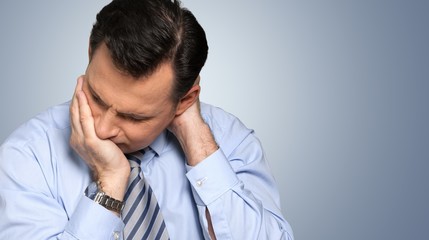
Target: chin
128 149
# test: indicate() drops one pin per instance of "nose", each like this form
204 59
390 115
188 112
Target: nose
105 126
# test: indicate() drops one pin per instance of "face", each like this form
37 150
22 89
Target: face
130 112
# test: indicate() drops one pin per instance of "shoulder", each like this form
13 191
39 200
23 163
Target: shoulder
221 120
38 151
40 127
227 129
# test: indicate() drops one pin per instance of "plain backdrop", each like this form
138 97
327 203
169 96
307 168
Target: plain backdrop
336 90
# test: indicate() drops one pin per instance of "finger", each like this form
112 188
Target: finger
86 119
78 87
74 109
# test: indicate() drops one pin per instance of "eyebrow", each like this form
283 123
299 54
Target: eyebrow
100 101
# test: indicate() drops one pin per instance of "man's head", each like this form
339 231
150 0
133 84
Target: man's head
145 56
143 34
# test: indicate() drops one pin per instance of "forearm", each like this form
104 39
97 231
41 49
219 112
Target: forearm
237 214
198 143
230 188
239 209
92 221
87 221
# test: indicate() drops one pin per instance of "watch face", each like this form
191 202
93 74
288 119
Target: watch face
91 190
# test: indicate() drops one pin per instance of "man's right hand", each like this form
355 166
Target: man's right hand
108 163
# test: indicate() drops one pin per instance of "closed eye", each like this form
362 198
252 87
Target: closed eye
133 118
98 100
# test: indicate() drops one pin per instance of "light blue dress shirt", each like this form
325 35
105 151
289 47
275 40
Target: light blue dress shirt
42 184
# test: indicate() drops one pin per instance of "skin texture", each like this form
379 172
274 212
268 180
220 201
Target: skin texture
113 113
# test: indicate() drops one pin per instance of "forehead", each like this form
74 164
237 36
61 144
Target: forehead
125 93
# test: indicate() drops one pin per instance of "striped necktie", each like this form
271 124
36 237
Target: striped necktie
141 214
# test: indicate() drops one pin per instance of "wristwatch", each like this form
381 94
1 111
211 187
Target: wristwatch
94 193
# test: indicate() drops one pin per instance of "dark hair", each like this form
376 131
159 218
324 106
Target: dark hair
142 34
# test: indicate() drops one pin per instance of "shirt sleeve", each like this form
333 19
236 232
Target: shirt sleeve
30 208
240 194
87 220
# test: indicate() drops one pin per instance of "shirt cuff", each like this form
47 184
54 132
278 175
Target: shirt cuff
92 221
211 178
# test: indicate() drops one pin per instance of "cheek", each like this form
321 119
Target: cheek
136 133
142 134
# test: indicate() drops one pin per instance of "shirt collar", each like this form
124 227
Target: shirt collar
159 143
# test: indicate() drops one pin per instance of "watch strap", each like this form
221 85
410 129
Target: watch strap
108 202
94 193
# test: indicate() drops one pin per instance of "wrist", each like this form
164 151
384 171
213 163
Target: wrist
95 193
113 185
197 142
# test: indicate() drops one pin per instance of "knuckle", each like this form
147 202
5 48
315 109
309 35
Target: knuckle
83 118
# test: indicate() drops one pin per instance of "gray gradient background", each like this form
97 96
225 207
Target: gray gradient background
336 90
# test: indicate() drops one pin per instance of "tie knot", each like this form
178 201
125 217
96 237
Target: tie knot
135 158
134 162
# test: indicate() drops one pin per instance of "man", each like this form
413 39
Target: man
74 171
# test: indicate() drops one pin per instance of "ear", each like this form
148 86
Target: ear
190 97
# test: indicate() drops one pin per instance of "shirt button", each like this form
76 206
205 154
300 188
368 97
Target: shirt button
116 235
